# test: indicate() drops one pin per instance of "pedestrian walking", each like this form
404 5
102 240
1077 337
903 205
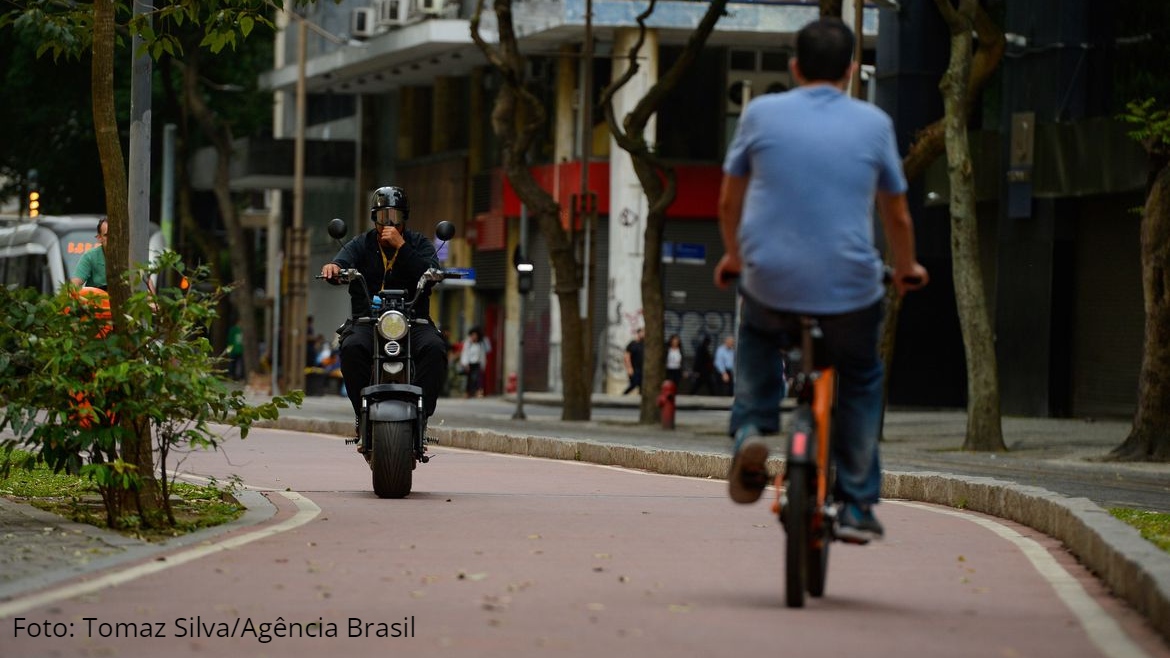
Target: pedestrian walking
725 366
634 351
674 361
472 359
703 369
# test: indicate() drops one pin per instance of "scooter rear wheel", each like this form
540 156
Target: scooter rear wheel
393 458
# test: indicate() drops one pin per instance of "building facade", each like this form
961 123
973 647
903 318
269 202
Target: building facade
401 87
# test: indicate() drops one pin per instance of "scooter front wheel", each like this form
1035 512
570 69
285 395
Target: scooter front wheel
393 458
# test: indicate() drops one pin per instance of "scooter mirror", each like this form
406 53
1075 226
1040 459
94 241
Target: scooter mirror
445 231
337 228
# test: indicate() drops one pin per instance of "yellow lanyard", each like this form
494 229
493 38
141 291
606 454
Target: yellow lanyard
387 263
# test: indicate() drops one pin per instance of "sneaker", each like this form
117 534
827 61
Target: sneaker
857 525
357 434
749 471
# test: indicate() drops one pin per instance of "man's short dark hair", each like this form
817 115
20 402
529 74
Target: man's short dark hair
824 49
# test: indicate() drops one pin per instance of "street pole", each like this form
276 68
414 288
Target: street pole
166 218
585 201
139 174
297 242
858 37
519 414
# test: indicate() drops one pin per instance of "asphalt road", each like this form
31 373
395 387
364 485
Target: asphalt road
496 555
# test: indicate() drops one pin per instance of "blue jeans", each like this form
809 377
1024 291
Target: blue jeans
851 346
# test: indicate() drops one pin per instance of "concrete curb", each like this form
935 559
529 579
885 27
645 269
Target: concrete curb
1130 566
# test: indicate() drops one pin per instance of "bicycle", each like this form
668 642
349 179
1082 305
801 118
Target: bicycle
804 502
804 488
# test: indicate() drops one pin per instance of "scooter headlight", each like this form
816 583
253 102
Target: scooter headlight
392 325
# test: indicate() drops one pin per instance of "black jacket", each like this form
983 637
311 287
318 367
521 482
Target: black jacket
414 258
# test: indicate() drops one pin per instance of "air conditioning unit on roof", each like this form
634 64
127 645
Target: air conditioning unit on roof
394 12
746 85
362 22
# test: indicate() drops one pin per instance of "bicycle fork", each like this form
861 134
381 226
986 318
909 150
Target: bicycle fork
808 448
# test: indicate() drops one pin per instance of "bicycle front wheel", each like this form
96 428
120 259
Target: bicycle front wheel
797 518
818 557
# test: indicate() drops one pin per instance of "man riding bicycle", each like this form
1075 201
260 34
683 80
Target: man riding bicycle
800 178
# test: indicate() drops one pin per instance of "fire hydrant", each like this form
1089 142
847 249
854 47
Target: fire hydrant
666 404
513 383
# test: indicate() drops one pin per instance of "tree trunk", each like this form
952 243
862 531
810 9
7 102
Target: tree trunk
984 431
517 118
653 307
1149 439
221 137
929 144
113 163
136 447
659 183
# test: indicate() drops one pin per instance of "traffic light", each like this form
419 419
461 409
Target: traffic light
34 193
524 270
524 277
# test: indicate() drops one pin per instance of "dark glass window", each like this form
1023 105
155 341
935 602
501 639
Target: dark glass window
690 119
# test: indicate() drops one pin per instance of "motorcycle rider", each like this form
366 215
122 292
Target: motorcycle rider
389 256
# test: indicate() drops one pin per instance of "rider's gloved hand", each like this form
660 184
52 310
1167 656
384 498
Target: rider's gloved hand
390 236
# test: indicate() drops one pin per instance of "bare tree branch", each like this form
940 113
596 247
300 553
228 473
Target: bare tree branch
928 143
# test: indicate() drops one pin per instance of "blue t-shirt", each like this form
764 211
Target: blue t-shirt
816 158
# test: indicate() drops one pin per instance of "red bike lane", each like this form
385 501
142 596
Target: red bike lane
512 556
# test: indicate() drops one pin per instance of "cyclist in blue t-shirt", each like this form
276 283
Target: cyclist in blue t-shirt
795 214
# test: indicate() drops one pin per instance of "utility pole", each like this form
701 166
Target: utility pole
167 207
585 199
524 269
858 37
139 173
293 320
297 245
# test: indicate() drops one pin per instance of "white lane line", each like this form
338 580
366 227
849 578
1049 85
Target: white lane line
306 511
1101 628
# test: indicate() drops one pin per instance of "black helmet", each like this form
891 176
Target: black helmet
386 199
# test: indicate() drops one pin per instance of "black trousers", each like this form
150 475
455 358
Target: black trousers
428 349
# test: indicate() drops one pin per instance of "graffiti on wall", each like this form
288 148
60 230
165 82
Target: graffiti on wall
621 329
691 326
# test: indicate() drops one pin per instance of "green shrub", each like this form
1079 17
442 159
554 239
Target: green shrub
79 396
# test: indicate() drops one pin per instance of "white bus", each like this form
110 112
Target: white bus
43 253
